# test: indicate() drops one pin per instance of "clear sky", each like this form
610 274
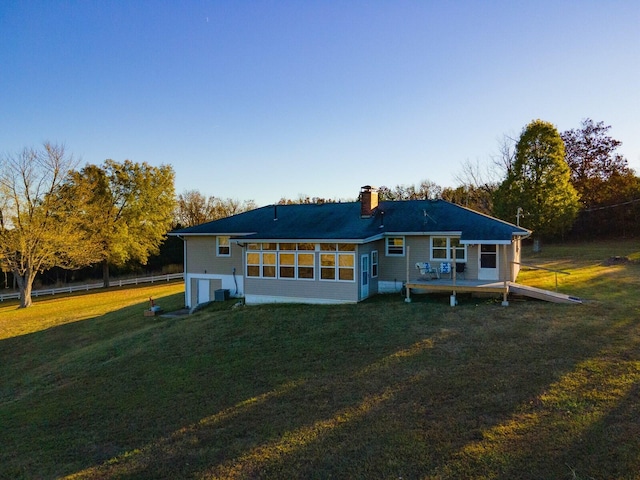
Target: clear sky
264 99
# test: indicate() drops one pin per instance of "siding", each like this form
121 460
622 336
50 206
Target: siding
394 269
201 257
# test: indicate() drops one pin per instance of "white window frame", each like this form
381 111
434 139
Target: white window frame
374 264
277 252
448 250
220 245
342 251
404 245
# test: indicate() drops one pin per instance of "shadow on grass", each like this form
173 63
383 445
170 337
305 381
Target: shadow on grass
377 390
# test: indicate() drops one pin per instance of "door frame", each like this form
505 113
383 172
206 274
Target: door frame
365 278
489 273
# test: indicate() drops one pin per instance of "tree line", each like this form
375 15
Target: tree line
53 215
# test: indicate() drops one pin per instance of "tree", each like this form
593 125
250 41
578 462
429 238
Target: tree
194 208
476 187
40 224
426 190
608 188
593 161
539 184
130 207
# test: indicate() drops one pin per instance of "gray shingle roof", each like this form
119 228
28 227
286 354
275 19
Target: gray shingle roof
342 221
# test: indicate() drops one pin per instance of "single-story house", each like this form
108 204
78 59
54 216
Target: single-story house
342 252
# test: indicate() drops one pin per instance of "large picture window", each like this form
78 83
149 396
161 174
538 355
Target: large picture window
395 246
442 249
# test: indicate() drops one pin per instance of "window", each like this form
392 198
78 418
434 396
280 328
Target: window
338 262
439 248
223 247
328 266
442 249
395 246
272 260
374 264
287 262
306 265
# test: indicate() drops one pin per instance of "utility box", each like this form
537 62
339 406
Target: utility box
221 295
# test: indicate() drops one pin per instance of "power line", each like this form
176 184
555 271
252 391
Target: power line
612 206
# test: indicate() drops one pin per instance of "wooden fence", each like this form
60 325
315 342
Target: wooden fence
91 286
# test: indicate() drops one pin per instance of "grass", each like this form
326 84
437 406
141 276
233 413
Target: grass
382 389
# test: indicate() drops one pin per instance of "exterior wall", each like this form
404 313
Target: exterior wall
373 281
517 257
201 263
272 290
299 291
393 270
200 257
213 285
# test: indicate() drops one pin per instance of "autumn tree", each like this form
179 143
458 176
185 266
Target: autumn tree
593 160
539 183
40 224
130 206
194 208
603 179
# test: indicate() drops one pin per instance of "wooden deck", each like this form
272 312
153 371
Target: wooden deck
480 286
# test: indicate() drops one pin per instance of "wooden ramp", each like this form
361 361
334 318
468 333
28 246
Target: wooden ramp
476 286
541 294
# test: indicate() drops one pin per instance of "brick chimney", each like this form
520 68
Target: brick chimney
368 200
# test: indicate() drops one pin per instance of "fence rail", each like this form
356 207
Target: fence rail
91 286
535 267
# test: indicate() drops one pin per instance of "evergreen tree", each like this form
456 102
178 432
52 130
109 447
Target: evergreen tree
539 183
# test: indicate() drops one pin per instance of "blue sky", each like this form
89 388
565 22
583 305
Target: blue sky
261 99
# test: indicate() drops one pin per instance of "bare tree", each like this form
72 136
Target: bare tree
40 226
194 208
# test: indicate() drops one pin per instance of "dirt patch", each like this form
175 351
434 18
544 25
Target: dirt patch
617 260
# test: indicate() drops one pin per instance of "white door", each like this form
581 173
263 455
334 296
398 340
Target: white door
204 295
488 262
364 274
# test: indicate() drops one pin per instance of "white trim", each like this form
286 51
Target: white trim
486 242
376 263
386 246
228 245
447 249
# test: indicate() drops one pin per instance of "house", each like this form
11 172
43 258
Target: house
342 252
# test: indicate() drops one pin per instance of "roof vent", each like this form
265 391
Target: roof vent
368 200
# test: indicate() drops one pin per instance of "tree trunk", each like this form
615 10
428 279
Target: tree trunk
536 245
25 285
105 273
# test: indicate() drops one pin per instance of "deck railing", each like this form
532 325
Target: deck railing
91 286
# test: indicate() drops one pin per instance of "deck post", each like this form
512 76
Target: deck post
452 299
407 298
505 302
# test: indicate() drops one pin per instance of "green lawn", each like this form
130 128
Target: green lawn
89 388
